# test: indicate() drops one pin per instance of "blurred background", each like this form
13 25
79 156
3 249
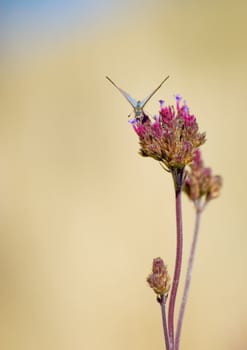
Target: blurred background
82 215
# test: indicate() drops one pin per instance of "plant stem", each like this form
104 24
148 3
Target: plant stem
187 280
177 177
165 329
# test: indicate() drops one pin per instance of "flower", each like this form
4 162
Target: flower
200 182
171 137
159 279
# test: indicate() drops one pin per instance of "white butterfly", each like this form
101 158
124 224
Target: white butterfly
137 105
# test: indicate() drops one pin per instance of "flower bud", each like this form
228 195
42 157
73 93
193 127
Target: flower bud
159 279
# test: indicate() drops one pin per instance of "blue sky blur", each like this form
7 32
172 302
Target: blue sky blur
24 18
27 24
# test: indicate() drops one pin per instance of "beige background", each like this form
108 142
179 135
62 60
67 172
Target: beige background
82 215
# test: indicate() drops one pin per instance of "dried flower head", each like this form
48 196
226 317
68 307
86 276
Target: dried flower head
159 279
200 183
171 137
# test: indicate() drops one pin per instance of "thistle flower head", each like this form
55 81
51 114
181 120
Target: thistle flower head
159 279
200 182
171 137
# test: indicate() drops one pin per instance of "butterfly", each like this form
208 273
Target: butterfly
137 105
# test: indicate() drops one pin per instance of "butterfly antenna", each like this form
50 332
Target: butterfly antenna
112 82
158 87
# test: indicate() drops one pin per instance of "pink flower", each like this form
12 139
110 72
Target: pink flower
172 137
200 183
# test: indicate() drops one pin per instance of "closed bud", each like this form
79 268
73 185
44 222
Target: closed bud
159 279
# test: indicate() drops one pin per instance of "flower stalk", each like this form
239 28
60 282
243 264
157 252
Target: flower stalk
162 302
178 182
187 280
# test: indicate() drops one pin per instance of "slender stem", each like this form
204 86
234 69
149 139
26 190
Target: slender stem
163 313
177 263
187 280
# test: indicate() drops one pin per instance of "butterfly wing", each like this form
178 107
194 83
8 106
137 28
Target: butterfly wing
130 99
143 102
